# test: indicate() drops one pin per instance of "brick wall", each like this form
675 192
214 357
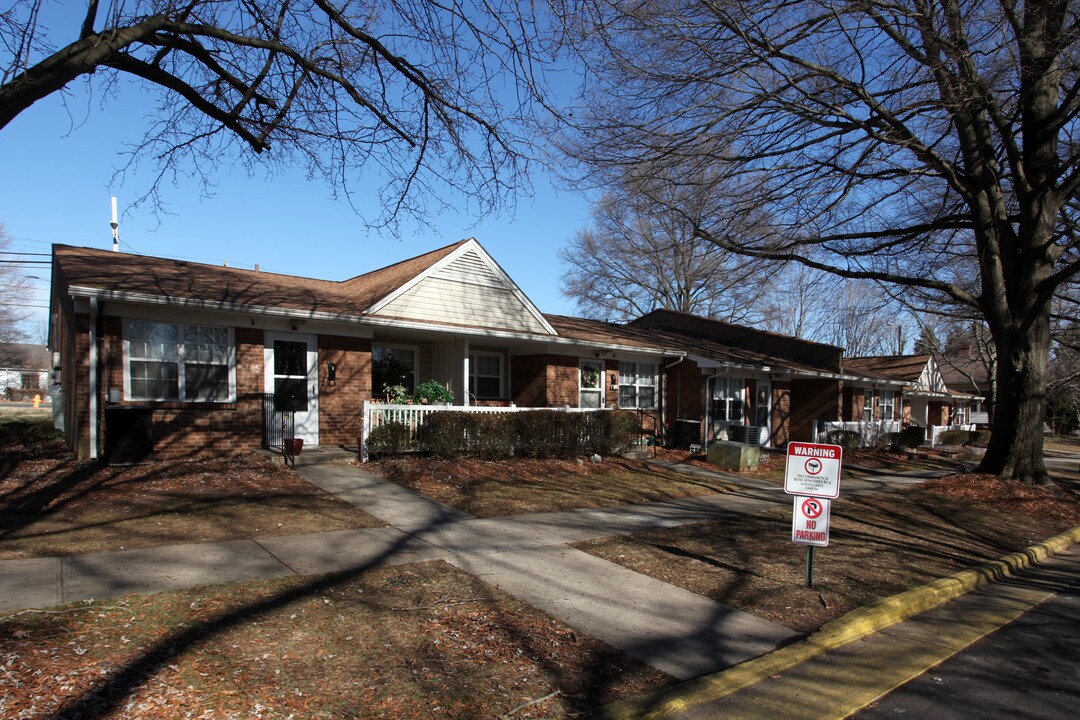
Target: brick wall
780 431
684 397
552 381
812 400
339 403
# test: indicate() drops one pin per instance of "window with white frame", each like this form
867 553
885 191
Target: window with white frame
392 366
888 404
637 385
174 361
590 384
486 375
727 399
868 406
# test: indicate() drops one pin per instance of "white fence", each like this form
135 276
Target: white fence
933 431
412 416
870 433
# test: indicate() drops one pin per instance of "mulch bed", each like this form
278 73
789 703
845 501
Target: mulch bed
420 641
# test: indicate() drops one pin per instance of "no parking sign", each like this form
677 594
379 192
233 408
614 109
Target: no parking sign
810 523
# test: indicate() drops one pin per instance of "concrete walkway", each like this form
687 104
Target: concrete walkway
679 632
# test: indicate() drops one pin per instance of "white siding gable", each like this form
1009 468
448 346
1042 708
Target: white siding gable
931 379
466 290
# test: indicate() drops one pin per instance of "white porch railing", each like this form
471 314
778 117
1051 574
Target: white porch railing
934 431
869 432
412 416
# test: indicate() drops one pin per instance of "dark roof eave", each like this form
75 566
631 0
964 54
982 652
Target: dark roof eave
369 320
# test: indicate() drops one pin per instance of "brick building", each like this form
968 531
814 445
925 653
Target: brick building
201 352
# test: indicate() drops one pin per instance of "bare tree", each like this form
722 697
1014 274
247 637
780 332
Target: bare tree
424 96
14 291
855 315
929 144
640 255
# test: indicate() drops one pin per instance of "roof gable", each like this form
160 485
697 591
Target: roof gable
464 287
920 372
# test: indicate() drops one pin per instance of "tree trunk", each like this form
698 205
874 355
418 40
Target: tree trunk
1016 439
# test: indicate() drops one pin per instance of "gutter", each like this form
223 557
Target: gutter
365 320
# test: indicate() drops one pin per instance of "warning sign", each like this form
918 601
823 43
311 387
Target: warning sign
813 469
810 522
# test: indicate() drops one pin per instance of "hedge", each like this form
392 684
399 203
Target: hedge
532 434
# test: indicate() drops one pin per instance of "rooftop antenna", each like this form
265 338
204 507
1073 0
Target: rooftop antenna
115 228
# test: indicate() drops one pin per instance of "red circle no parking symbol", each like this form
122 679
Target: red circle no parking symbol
812 508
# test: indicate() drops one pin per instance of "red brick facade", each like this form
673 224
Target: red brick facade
812 400
339 402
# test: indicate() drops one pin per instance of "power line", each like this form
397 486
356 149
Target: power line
11 252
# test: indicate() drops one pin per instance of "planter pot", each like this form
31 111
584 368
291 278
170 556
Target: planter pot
293 446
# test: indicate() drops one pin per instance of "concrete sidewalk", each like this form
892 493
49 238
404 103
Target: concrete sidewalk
679 632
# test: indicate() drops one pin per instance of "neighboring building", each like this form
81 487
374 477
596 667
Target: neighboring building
24 371
969 372
923 399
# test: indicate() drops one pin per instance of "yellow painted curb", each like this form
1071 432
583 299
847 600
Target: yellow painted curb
854 625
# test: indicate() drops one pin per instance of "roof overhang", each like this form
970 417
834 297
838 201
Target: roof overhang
365 320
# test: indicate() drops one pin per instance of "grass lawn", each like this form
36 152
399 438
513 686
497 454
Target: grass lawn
51 504
514 487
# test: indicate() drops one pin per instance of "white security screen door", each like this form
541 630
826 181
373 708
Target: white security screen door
291 362
763 410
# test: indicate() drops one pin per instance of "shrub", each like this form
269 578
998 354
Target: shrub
490 437
847 439
911 437
431 392
444 433
388 439
981 437
534 434
954 437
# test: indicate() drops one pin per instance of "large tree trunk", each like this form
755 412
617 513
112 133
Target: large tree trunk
1016 442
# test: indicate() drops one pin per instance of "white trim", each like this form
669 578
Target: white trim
600 389
354 320
470 245
180 361
471 375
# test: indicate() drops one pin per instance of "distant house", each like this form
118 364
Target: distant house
967 371
24 371
208 353
923 398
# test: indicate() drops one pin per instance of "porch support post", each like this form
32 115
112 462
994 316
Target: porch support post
365 428
465 375
93 384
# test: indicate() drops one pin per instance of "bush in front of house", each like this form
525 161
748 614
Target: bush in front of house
911 437
847 439
955 437
533 434
388 439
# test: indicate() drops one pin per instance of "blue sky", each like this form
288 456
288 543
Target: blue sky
59 160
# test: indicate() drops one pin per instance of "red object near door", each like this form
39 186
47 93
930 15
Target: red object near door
293 446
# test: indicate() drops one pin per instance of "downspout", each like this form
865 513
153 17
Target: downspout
93 378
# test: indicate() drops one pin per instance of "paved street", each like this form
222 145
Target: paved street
1029 669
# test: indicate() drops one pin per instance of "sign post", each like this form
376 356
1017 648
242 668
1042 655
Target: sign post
812 475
